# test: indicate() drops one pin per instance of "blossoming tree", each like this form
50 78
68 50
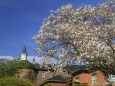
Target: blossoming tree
85 34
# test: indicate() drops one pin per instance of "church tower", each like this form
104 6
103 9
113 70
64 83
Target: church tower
24 53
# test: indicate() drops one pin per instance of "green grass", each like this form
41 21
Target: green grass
14 81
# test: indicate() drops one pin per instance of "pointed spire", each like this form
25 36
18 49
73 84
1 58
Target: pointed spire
24 49
24 53
34 60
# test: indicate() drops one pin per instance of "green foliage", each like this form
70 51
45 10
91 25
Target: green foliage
12 67
80 84
16 58
23 64
77 84
84 84
8 68
14 81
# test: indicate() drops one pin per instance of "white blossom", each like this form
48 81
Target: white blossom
71 34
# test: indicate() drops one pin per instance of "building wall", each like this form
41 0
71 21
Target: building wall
40 77
101 79
26 74
86 77
82 77
23 72
48 75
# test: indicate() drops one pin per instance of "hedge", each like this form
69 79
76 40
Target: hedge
14 81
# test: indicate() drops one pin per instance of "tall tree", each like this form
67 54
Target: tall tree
8 68
85 34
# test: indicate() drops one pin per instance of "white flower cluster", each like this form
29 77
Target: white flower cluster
70 34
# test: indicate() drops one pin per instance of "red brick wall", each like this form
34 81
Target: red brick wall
113 85
86 77
100 78
40 79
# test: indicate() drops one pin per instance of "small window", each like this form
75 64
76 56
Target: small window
43 74
94 79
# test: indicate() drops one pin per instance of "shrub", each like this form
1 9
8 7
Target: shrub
84 84
77 84
14 81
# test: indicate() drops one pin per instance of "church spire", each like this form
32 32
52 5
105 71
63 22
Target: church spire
24 49
24 53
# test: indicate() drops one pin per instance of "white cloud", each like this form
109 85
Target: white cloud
29 58
7 57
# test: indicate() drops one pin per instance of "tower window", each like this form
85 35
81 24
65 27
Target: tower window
43 74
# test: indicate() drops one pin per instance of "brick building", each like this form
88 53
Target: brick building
41 73
57 80
74 73
91 78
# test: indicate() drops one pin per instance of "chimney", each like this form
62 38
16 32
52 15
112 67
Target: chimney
34 60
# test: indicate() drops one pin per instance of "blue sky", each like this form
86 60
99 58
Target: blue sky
21 19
